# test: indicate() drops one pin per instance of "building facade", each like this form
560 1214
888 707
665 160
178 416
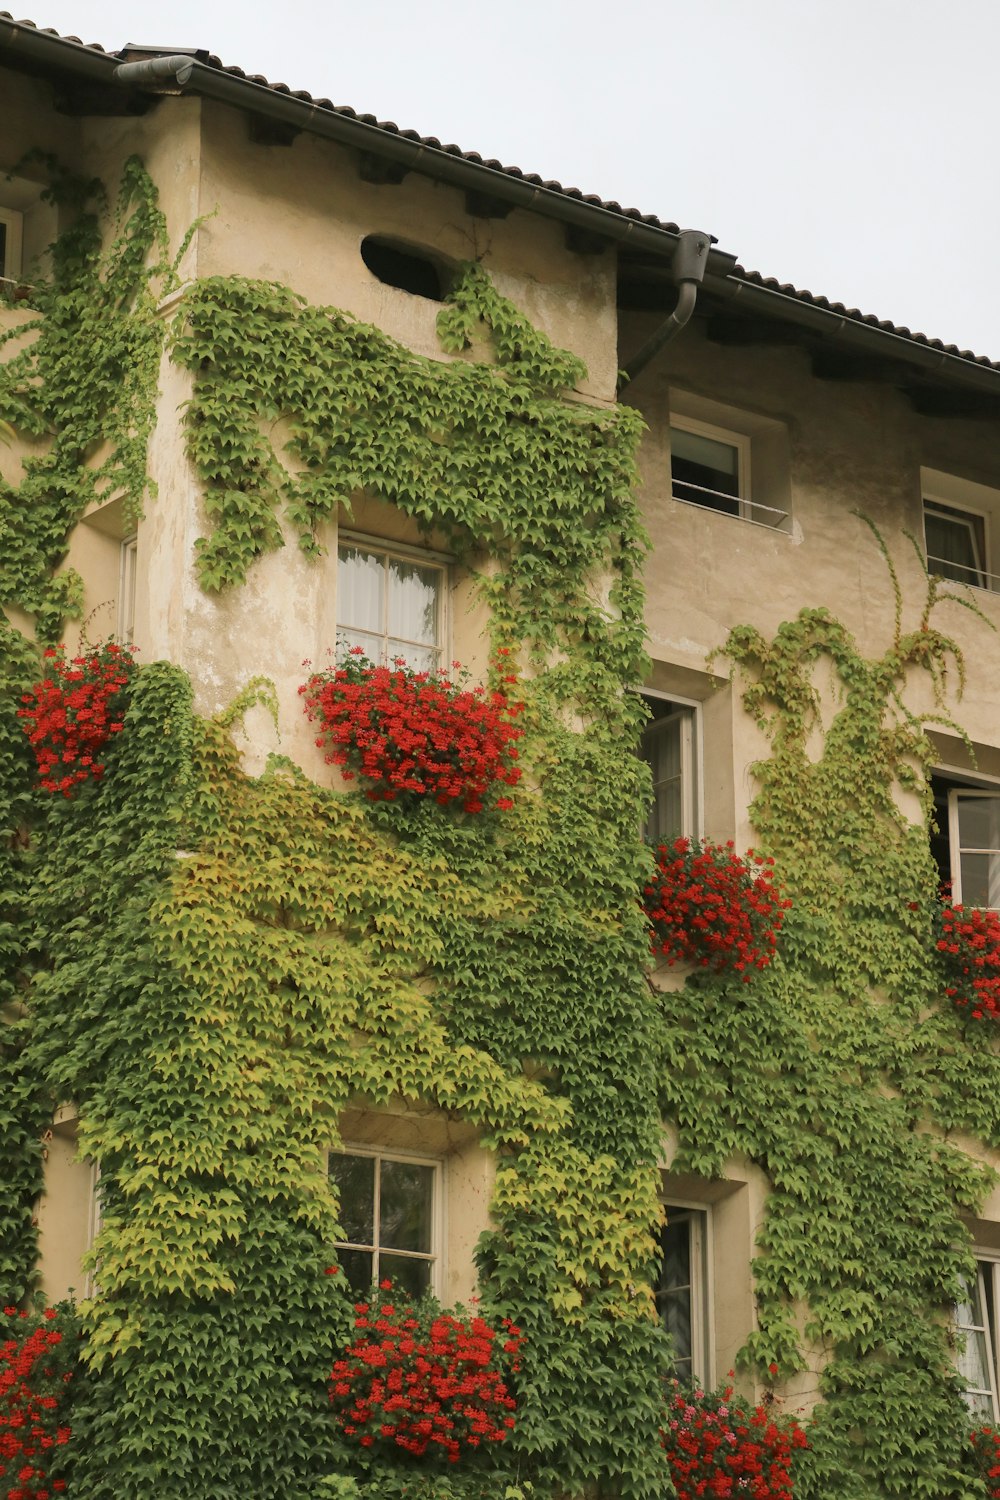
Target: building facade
316 383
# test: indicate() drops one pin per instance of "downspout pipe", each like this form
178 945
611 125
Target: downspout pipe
690 260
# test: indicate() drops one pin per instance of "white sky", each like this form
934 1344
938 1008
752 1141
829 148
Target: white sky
848 146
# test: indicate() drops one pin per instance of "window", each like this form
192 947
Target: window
406 267
388 1212
966 841
682 1289
959 516
975 1318
126 591
956 543
10 244
669 748
391 604
710 467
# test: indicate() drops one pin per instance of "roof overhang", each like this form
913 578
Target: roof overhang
742 307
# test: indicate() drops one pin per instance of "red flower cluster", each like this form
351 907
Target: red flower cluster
707 905
969 944
424 1380
415 732
71 714
986 1458
33 1378
718 1447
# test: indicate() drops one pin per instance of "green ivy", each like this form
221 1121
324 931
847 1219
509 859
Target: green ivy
80 386
842 1071
216 966
213 967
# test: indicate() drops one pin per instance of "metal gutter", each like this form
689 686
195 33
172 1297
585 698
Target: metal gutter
418 156
850 334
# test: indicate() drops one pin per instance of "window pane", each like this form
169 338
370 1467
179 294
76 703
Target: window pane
954 545
675 1243
675 1311
357 1267
370 644
354 1177
405 1206
972 1363
413 1276
413 601
980 880
978 821
710 454
419 658
360 586
662 751
974 1331
702 464
667 748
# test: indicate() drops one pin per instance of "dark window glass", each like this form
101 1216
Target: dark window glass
956 544
705 471
676 1289
386 1212
355 1179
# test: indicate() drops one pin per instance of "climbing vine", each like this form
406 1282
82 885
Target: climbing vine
845 1069
214 967
80 386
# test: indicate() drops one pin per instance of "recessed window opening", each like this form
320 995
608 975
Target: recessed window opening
682 1289
709 467
669 747
966 839
388 1214
390 604
10 244
956 544
126 590
405 267
975 1319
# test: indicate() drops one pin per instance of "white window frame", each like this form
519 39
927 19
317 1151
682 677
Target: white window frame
95 1221
129 552
966 497
426 559
738 440
702 1258
987 1263
436 1256
692 777
955 846
13 222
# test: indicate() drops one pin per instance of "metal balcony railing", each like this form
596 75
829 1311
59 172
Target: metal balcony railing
751 511
976 578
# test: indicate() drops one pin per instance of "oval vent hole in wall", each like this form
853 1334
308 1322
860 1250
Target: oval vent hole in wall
406 267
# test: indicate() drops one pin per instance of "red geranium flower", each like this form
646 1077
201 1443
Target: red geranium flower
72 713
415 734
425 1381
708 905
